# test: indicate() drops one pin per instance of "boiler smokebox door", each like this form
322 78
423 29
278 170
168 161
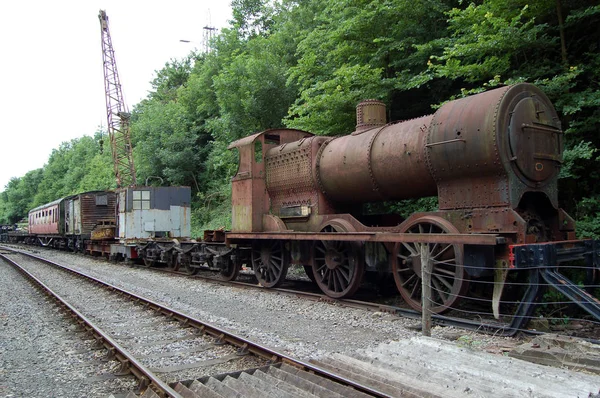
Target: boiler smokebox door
535 140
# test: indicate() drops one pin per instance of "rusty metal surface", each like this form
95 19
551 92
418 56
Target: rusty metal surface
291 182
494 147
369 114
467 239
103 233
484 150
381 163
93 209
249 198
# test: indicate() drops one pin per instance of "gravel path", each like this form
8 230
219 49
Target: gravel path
41 353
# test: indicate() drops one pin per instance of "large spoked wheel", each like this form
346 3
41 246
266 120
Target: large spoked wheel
448 279
338 266
270 261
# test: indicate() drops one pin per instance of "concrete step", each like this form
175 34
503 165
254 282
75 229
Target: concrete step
368 377
339 389
222 389
149 393
378 377
249 390
185 392
297 392
456 370
273 389
314 387
203 391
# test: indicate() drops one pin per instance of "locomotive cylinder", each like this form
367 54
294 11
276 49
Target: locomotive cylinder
506 136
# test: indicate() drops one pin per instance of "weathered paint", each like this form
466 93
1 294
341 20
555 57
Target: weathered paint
154 212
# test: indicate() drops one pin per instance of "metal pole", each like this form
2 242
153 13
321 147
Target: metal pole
426 266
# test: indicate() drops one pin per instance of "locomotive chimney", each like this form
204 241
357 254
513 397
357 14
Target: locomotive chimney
369 114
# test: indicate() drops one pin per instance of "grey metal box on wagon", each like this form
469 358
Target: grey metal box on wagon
154 212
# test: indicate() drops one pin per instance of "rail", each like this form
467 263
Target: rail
204 327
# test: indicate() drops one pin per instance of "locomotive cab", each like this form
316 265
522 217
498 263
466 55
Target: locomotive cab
249 186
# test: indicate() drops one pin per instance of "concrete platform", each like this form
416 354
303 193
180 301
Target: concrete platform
560 351
451 370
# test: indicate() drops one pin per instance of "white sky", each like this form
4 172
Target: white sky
51 66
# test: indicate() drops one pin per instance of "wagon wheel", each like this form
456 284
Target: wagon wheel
270 261
448 279
148 262
231 272
169 259
338 266
185 264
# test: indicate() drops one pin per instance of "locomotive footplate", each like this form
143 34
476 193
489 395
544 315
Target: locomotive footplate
463 239
545 260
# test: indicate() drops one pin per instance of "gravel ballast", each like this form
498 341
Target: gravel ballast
42 354
298 327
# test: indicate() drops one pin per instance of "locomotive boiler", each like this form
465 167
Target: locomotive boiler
492 159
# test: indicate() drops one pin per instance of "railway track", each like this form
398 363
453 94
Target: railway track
172 354
307 290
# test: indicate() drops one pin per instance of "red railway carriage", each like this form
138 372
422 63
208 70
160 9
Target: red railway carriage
68 221
45 219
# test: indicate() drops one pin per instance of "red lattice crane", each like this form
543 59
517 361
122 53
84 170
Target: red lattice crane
116 112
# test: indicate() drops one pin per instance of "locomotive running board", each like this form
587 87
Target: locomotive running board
465 239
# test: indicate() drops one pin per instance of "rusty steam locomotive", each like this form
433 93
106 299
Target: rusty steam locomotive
492 159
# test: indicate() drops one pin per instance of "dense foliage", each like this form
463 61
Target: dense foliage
306 63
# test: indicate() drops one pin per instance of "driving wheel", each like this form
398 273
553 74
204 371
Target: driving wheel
338 265
448 279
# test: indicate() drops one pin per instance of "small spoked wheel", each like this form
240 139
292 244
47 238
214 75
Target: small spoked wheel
448 279
270 261
338 266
